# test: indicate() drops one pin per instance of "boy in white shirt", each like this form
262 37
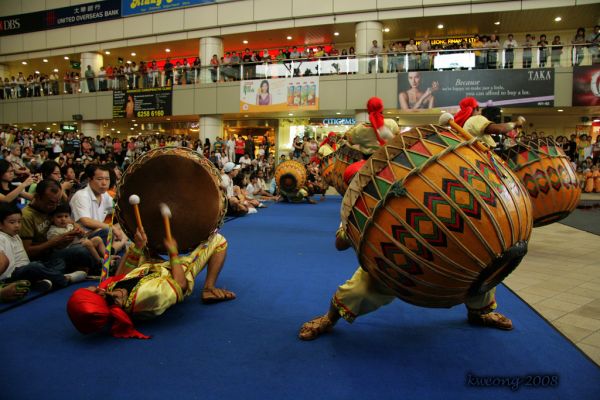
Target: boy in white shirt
16 264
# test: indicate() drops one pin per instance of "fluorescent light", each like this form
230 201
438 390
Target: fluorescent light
66 57
131 129
557 19
135 124
289 38
168 50
386 30
245 41
45 60
291 115
24 62
133 54
112 129
55 69
107 52
336 34
440 26
37 72
560 110
497 23
128 62
337 113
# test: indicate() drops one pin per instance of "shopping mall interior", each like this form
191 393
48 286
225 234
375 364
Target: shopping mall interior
191 72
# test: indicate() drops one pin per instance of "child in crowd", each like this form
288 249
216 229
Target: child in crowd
15 264
62 223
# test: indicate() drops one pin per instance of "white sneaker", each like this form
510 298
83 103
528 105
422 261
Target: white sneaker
42 286
75 277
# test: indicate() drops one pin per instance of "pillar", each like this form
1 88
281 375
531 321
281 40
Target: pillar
95 60
210 127
365 33
208 47
90 129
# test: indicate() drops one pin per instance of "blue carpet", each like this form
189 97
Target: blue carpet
284 269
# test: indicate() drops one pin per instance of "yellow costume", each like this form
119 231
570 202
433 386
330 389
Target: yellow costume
476 126
363 138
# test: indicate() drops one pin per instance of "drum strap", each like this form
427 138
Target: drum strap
106 259
495 165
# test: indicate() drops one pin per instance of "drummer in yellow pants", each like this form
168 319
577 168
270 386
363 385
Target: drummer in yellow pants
362 294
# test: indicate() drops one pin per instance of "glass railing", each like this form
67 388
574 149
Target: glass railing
390 62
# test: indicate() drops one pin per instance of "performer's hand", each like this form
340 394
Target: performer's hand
140 239
171 246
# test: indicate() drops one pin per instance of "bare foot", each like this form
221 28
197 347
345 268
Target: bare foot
14 291
315 328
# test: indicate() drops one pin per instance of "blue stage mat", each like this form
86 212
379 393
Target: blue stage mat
284 269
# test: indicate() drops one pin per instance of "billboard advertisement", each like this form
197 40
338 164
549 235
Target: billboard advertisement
421 90
143 103
283 94
134 7
586 86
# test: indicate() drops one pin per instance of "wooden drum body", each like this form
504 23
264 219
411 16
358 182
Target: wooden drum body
548 176
184 180
343 157
290 177
435 219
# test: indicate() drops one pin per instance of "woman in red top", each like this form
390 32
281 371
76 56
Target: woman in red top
240 144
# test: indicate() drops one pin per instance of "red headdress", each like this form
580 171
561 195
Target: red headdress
89 312
375 110
330 140
467 105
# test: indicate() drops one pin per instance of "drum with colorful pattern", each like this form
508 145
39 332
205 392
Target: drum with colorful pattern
435 218
184 180
290 177
342 158
547 174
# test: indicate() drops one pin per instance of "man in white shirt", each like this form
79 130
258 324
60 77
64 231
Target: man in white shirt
246 162
235 207
375 52
509 54
91 205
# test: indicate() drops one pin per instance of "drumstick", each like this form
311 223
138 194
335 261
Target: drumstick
448 119
134 200
165 211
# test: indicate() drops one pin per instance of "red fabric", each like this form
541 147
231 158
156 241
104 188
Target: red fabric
315 159
375 110
352 169
89 312
467 105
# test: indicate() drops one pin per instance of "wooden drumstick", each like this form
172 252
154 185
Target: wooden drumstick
165 211
134 200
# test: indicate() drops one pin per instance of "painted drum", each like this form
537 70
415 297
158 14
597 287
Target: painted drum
436 218
547 174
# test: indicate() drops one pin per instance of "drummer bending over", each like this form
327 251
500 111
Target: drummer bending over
147 288
363 294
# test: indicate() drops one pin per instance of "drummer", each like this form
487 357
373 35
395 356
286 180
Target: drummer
362 294
145 288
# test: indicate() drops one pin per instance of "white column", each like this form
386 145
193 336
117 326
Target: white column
361 116
90 129
365 33
208 47
95 60
211 127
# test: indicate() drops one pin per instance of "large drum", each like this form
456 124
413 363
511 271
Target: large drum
333 168
184 180
435 218
290 176
548 176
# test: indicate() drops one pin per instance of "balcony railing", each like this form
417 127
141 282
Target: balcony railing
466 59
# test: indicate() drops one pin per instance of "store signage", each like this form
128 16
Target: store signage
68 128
510 87
133 7
60 17
143 103
338 121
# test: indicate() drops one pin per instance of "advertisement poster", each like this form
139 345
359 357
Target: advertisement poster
133 7
586 86
142 103
421 90
61 17
283 94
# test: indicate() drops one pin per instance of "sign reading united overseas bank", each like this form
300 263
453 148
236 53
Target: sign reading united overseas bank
60 17
133 7
143 103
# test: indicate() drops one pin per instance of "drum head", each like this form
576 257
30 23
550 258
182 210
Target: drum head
182 179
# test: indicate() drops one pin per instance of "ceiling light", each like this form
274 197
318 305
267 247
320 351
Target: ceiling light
133 120
245 41
54 123
440 26
289 38
168 50
386 30
66 57
336 34
337 113
107 52
45 60
291 115
55 69
128 62
24 62
557 19
37 72
112 129
135 124
133 54
168 119
497 23
560 110
246 116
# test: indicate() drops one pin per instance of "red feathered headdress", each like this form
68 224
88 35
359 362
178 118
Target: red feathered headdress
89 312
375 110
467 105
